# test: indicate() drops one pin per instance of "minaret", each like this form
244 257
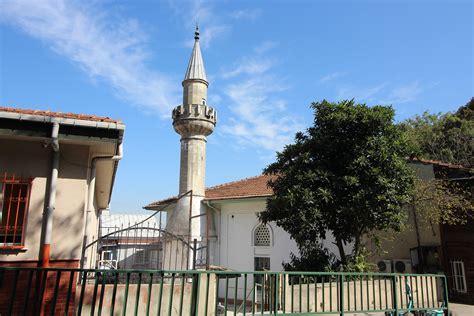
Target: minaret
194 120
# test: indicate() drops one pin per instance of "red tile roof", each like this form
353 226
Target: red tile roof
438 163
246 188
84 117
249 187
257 187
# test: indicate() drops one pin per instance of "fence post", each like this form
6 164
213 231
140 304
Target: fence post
194 253
195 293
341 294
277 293
394 293
446 301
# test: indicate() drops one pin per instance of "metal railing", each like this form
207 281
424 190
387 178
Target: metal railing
54 291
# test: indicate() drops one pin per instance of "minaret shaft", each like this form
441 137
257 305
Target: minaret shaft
194 92
193 165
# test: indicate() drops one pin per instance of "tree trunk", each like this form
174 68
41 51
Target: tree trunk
342 253
356 246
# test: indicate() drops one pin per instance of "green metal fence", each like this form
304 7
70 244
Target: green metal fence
34 291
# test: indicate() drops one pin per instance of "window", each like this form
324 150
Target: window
262 236
140 257
262 264
14 196
107 255
459 276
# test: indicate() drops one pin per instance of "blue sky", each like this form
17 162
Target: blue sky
266 62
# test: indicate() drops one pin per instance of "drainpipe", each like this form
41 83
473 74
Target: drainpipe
90 196
49 210
218 232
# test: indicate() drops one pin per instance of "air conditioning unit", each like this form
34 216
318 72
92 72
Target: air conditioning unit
385 266
402 265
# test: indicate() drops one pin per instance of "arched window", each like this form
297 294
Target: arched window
262 236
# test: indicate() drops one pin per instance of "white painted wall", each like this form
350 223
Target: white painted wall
236 251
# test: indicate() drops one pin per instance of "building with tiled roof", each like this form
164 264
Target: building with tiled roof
61 167
236 238
253 187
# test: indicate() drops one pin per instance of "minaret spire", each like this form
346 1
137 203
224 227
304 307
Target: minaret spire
195 68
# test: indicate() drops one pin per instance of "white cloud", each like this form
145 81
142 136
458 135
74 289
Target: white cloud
211 32
200 12
264 47
362 94
112 49
214 98
249 66
259 114
383 93
404 93
246 14
331 76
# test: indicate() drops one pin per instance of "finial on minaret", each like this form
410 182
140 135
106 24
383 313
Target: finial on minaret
196 33
195 68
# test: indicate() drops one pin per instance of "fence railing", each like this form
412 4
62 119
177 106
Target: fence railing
54 291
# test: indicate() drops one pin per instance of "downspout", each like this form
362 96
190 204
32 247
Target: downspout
90 196
49 210
218 232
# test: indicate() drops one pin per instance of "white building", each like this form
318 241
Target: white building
237 240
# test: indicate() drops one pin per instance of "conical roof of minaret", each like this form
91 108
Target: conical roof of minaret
195 68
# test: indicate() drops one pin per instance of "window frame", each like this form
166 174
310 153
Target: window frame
13 180
459 276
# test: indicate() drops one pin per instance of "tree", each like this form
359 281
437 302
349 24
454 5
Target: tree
439 201
312 257
347 175
446 137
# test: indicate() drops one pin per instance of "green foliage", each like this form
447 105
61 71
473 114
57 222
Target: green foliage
448 137
442 202
346 174
313 257
359 263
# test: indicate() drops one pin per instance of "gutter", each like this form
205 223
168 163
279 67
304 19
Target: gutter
91 190
61 120
48 212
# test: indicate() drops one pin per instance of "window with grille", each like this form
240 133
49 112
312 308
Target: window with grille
139 257
459 276
14 196
262 236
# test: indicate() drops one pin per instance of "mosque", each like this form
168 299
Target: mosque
222 219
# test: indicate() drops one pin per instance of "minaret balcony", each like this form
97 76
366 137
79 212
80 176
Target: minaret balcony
194 120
